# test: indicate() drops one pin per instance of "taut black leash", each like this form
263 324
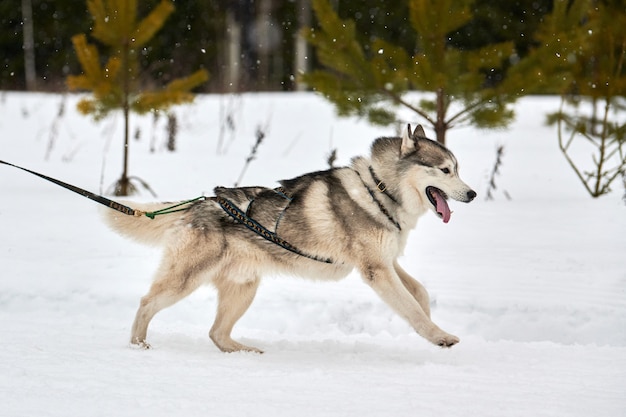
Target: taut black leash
103 200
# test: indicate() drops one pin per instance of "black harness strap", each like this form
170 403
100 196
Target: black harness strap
380 205
381 186
240 217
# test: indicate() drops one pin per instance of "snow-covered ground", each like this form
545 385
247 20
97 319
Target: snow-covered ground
534 286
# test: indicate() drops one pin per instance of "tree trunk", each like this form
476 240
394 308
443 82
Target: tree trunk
123 183
29 46
440 124
301 59
233 51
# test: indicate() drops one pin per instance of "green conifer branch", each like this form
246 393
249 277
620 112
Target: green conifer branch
152 23
359 74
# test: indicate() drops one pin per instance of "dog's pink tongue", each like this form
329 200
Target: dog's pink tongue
442 206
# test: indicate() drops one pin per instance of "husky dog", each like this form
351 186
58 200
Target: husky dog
320 225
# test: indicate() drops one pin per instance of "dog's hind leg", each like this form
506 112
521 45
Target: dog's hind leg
160 296
415 288
234 298
388 285
175 279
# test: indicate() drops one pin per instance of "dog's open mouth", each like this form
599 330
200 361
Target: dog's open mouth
438 200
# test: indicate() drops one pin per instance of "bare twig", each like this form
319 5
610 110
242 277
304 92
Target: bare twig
332 158
54 128
227 123
172 131
624 184
260 135
155 119
494 172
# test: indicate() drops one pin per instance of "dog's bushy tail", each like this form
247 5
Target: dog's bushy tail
143 229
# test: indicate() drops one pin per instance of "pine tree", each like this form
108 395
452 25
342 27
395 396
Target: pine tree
582 56
560 40
116 85
364 77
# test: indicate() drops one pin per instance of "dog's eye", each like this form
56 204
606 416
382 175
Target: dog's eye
445 170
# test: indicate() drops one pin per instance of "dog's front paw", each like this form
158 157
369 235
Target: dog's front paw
141 344
444 340
448 341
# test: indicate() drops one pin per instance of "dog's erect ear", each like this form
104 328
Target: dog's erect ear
409 140
418 132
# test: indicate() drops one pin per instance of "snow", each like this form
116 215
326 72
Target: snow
534 286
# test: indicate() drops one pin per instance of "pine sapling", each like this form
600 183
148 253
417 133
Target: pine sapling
117 83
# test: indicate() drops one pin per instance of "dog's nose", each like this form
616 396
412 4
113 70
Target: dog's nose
471 194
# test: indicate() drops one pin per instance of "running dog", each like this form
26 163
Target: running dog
321 225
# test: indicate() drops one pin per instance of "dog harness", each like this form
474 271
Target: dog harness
242 217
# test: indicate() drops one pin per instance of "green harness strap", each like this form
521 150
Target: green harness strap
171 209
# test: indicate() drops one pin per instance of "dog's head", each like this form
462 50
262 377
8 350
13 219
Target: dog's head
432 170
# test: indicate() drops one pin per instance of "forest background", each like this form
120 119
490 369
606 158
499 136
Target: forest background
362 55
245 45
